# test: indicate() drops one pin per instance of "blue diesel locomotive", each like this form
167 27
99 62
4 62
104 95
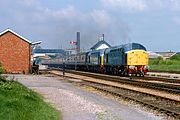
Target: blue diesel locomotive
124 60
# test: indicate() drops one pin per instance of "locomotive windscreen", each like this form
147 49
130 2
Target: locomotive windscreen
133 46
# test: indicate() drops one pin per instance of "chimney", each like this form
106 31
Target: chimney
78 43
102 37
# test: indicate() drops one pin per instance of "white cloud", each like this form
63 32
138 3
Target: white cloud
176 20
101 18
138 5
175 4
141 5
57 26
28 2
64 13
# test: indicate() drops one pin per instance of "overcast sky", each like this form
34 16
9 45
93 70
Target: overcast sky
153 23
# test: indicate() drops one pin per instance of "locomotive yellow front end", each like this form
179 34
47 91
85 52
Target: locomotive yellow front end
137 62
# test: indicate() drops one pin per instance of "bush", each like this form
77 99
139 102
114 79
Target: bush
159 58
172 64
1 69
162 62
175 57
156 61
169 62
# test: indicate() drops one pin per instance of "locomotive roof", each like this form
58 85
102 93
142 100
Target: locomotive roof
132 46
127 47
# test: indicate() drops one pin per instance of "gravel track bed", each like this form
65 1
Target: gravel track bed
76 103
131 87
170 88
147 99
149 78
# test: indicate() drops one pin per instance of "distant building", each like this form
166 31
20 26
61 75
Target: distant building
100 45
15 52
43 55
153 55
166 55
50 52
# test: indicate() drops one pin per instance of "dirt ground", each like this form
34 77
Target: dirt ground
75 103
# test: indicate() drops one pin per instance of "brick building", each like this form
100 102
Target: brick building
15 52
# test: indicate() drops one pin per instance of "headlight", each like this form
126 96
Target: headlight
131 67
146 67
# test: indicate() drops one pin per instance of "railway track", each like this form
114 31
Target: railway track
163 86
161 79
150 78
169 106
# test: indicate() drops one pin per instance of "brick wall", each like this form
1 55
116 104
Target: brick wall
14 53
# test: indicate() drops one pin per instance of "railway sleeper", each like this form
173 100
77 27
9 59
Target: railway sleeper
156 106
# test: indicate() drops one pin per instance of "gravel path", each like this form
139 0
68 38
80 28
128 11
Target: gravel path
78 104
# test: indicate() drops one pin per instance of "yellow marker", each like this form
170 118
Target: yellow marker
102 59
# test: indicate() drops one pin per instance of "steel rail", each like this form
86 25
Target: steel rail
168 106
124 80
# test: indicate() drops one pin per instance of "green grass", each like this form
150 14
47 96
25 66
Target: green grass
20 103
170 65
172 68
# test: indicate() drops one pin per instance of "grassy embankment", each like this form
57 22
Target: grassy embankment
20 103
171 65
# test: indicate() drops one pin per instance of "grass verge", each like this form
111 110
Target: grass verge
169 65
165 68
20 103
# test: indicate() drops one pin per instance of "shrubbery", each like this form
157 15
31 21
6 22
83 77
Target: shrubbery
155 61
1 69
159 61
172 64
175 57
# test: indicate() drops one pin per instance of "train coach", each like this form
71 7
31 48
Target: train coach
128 59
